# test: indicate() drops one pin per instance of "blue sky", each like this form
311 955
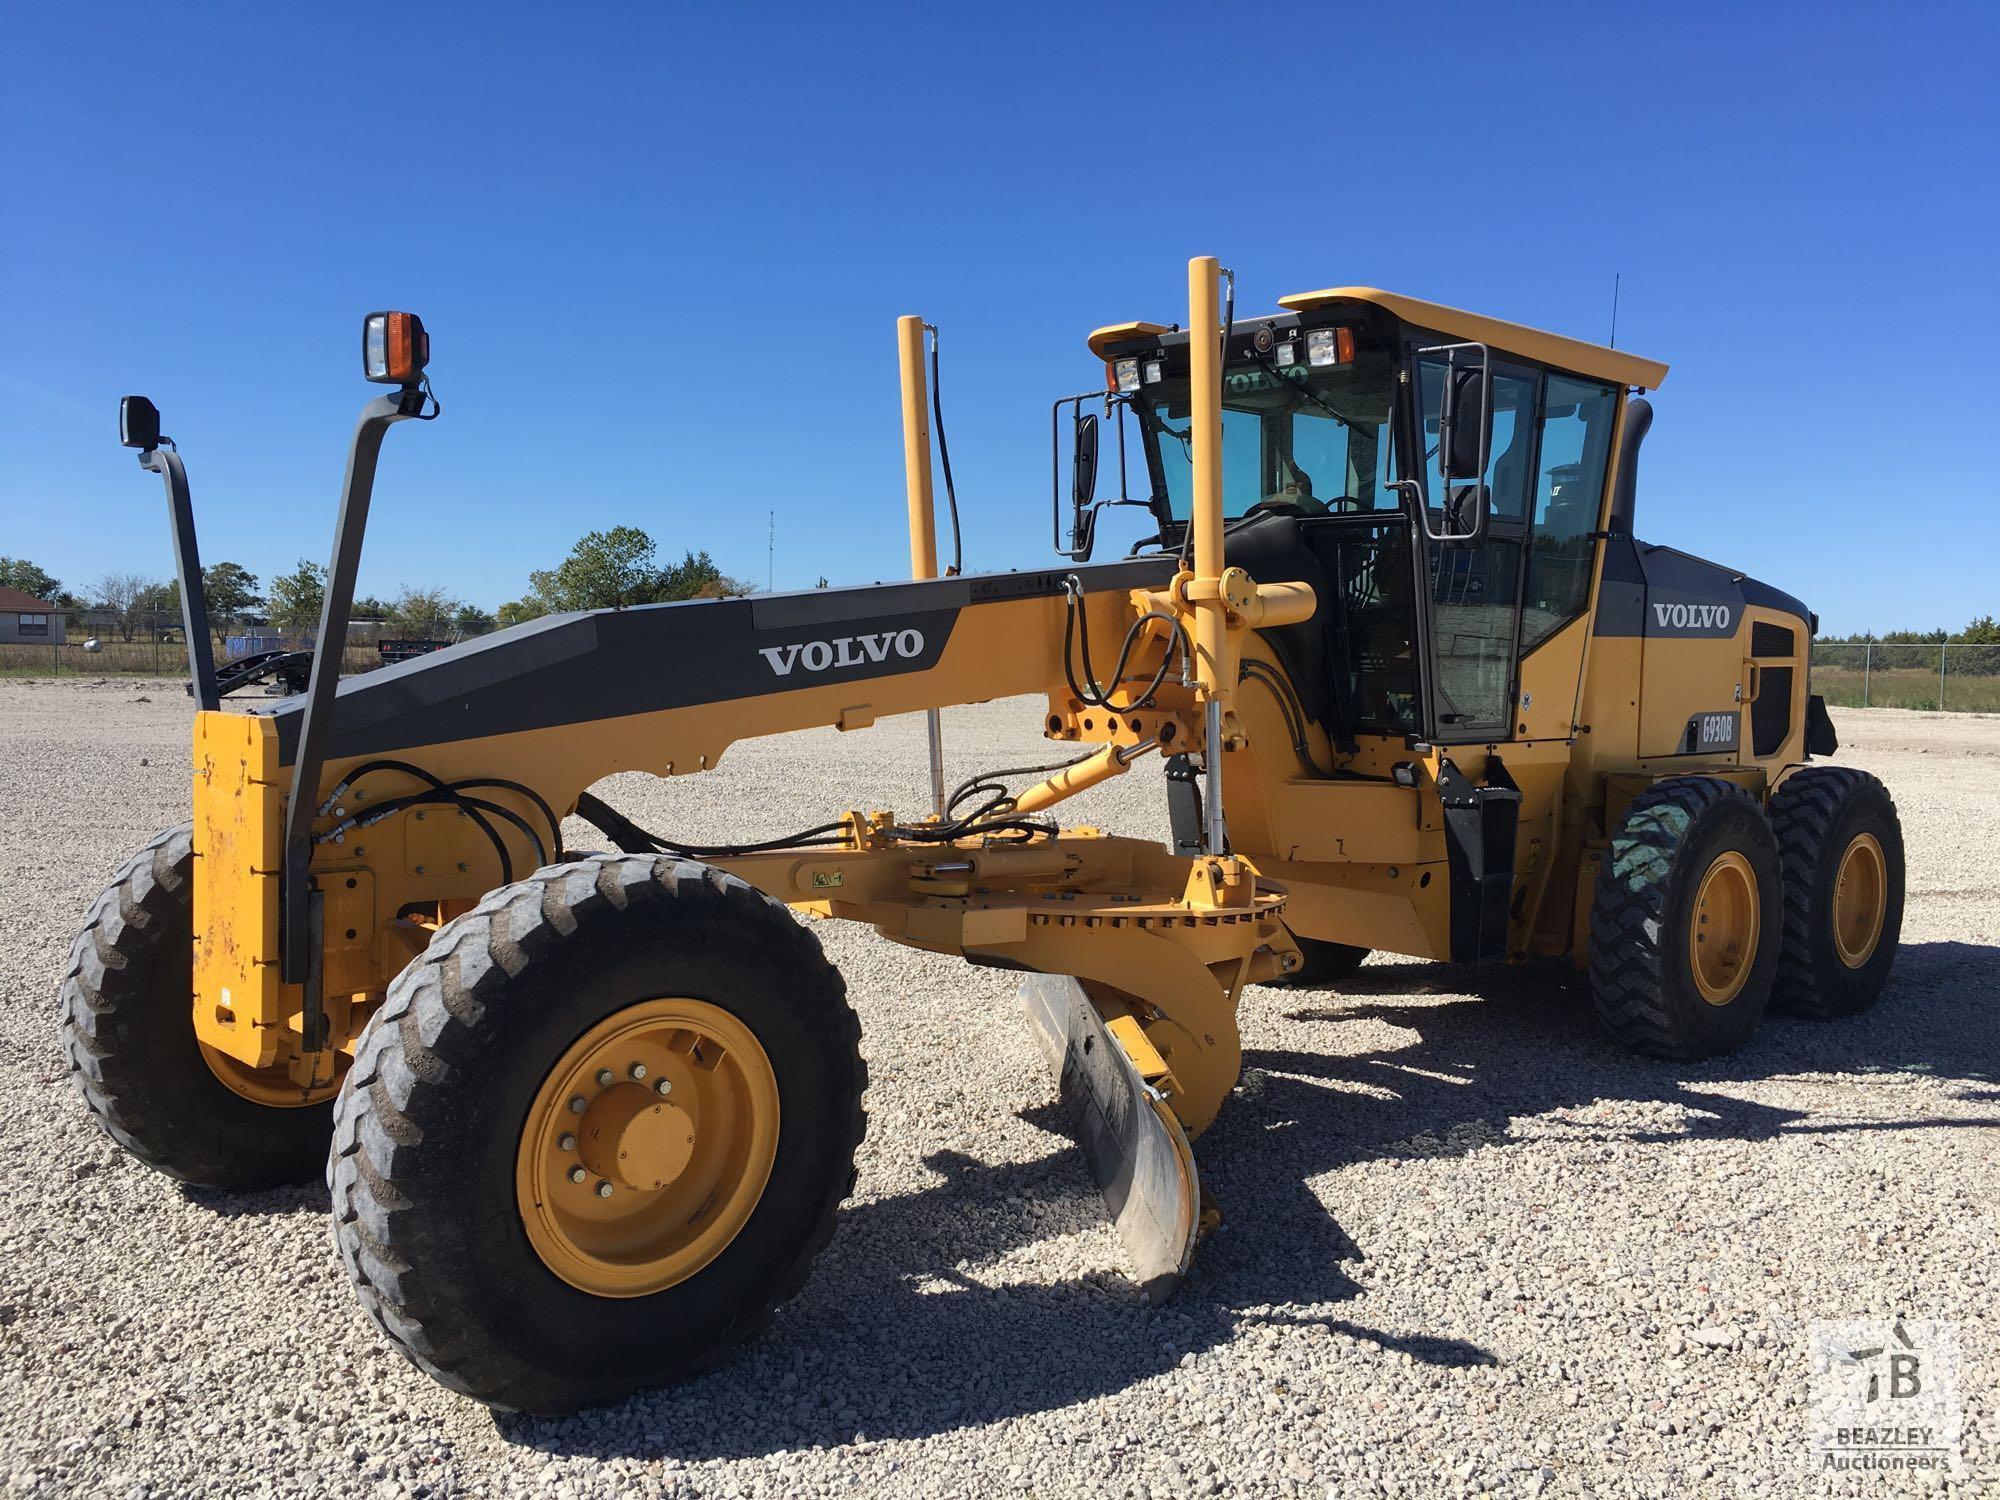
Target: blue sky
661 250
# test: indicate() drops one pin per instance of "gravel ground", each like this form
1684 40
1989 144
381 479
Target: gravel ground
1470 1245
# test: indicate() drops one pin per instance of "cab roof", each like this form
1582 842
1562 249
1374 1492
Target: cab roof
1511 338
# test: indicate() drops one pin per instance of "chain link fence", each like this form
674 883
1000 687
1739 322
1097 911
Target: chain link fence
1950 675
102 642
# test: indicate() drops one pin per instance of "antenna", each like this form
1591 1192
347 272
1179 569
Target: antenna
1616 277
771 552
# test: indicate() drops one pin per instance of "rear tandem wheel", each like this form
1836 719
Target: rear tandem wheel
597 1133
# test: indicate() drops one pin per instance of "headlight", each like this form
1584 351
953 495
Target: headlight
394 348
1154 370
1330 346
1126 372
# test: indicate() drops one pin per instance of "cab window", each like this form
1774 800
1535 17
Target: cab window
1575 447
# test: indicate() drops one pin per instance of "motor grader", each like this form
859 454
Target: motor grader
1408 678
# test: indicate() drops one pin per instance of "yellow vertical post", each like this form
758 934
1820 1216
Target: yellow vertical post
1211 629
917 448
923 510
1205 410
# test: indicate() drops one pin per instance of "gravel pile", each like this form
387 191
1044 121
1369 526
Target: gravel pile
1470 1246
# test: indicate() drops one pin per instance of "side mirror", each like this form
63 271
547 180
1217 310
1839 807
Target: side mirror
1464 443
138 423
1465 422
1083 462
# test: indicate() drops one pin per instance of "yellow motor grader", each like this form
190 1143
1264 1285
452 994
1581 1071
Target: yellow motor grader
1410 682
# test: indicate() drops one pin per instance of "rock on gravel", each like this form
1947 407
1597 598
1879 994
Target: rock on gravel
1471 1247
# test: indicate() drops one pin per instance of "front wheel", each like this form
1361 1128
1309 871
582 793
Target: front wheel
128 1032
597 1133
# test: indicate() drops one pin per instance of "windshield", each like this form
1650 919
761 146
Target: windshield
1312 437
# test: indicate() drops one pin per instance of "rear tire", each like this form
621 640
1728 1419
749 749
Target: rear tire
128 1032
1666 982
1324 963
447 1098
1842 848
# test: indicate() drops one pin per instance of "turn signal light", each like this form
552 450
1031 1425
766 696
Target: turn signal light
394 348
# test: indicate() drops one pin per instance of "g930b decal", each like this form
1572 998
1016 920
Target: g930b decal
1710 734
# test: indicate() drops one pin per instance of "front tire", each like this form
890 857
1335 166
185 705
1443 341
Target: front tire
1685 923
128 1032
1842 848
468 1238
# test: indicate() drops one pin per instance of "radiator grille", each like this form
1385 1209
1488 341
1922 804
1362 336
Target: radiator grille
1771 640
1771 714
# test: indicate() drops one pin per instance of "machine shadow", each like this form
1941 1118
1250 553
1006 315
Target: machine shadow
893 1339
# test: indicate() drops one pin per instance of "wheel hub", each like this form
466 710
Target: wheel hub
1860 900
1723 931
635 1138
647 1146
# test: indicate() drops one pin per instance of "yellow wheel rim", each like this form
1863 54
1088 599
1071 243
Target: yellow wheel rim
647 1147
271 1087
1860 900
1723 932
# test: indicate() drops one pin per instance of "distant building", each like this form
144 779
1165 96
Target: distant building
28 620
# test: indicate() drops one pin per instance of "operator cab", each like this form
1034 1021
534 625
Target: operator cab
1346 465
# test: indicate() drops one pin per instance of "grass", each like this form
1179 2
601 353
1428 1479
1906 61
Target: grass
1907 687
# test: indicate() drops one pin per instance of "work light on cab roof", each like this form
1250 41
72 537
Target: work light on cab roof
394 348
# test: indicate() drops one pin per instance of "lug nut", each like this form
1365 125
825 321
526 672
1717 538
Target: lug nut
663 1087
604 1076
566 1142
637 1070
577 1174
578 1104
603 1189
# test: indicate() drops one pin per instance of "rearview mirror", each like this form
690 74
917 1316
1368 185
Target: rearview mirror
1083 462
138 423
1465 422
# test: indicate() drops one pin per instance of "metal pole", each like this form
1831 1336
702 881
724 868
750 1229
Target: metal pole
1940 677
1205 429
923 510
187 565
1867 662
296 954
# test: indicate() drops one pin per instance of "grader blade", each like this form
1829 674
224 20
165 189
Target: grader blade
1136 1148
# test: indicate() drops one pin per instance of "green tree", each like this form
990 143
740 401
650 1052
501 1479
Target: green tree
470 619
697 577
423 612
615 569
368 607
514 611
296 597
1984 631
605 570
19 573
230 589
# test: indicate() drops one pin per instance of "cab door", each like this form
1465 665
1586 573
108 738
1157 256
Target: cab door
1475 592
